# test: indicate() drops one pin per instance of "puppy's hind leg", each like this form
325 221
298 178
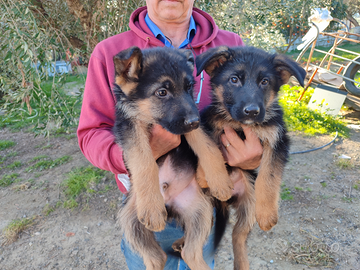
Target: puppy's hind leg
197 218
140 239
245 212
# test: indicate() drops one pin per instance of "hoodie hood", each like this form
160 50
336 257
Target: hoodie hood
206 28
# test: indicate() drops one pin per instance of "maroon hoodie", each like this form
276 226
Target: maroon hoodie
96 138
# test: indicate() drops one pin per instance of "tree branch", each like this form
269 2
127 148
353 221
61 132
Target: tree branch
352 19
85 17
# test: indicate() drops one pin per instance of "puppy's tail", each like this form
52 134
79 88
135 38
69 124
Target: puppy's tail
221 220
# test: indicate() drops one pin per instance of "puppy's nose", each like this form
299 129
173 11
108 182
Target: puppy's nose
192 122
252 110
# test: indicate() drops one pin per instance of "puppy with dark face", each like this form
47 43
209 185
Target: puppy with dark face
245 83
155 86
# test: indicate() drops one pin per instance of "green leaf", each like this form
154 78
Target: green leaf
8 55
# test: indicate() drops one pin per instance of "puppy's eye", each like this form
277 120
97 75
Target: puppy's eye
234 79
264 82
161 93
189 86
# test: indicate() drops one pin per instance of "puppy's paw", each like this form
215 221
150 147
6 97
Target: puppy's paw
178 245
152 216
223 192
266 217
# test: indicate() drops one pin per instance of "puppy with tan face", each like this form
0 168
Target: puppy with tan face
245 83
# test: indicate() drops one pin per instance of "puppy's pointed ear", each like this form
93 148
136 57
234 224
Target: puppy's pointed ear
287 68
190 58
212 59
128 65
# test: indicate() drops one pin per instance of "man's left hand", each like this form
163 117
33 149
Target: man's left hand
245 154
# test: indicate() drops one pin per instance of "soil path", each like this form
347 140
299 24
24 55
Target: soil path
319 213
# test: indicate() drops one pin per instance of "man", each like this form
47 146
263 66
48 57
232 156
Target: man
173 23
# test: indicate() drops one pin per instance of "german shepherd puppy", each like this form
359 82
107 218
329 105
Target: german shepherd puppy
155 86
245 83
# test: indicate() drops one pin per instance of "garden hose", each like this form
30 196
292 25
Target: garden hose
314 149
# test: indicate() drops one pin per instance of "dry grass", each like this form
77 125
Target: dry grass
24 186
311 252
12 232
344 164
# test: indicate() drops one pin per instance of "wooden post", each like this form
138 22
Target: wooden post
310 55
333 51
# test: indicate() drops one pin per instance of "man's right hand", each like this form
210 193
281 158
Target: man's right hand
162 141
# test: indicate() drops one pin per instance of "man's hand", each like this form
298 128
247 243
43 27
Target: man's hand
162 141
238 153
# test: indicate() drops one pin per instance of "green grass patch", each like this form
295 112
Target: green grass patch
70 204
356 185
63 133
65 109
37 158
344 163
12 231
4 158
285 194
81 180
323 184
48 209
47 146
46 163
14 165
4 144
299 188
347 199
8 179
18 120
298 117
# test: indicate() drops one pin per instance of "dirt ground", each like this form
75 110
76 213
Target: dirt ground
319 214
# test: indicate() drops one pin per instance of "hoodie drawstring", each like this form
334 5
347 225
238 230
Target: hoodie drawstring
201 75
201 85
147 42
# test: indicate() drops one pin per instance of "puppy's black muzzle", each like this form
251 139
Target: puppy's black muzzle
249 113
252 111
192 123
183 122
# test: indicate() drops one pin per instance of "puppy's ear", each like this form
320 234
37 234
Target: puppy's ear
287 68
190 58
128 65
212 59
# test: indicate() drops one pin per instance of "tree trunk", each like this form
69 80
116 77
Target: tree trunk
352 20
39 11
86 20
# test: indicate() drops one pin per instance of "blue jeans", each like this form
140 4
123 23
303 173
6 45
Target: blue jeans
166 238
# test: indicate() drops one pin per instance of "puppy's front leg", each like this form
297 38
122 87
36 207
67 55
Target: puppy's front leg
212 163
141 240
144 171
267 189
